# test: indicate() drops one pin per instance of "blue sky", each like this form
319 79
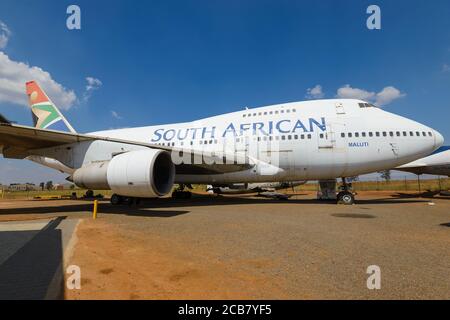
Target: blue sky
170 61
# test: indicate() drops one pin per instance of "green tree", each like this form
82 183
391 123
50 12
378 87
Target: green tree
49 185
385 175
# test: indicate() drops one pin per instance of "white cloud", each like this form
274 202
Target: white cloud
387 95
5 33
92 85
382 98
14 74
116 115
315 92
347 92
446 68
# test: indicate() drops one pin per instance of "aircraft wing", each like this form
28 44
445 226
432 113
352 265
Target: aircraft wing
17 141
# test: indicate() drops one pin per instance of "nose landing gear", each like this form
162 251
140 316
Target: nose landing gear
345 196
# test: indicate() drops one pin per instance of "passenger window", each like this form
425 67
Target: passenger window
296 136
283 137
363 134
377 134
271 112
309 136
321 136
391 133
277 138
356 134
411 133
259 138
293 110
265 113
276 112
418 133
254 114
270 138
243 115
287 111
404 133
370 134
259 113
302 136
384 134
282 111
361 105
424 133
430 134
289 137
349 134
398 133
342 135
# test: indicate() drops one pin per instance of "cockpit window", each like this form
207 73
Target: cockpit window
366 105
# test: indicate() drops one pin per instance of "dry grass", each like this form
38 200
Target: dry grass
394 185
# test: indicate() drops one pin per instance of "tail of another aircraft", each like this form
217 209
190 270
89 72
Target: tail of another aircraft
45 114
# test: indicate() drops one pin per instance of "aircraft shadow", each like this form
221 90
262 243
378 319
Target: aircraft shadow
104 207
425 195
34 271
149 207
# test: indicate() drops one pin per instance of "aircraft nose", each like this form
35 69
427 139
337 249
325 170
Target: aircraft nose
438 139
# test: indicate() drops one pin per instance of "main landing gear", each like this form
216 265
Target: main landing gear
116 200
345 196
179 193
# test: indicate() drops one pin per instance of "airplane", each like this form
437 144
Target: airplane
437 163
310 140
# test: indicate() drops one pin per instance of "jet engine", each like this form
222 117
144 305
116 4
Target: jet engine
146 173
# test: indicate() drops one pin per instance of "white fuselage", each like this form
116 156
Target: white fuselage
310 140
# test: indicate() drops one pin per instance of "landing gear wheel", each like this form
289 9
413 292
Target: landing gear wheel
116 199
131 201
345 197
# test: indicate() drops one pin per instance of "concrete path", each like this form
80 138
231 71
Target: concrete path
32 258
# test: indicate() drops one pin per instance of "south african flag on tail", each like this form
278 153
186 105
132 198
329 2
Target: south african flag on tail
45 114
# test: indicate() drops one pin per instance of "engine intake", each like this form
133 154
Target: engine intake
146 173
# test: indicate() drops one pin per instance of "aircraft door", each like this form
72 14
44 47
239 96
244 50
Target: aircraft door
325 139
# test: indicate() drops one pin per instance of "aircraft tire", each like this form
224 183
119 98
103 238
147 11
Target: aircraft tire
116 199
345 197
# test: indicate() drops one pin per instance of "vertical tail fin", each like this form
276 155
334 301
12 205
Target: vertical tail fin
45 114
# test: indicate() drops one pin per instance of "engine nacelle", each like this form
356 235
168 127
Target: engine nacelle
146 173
